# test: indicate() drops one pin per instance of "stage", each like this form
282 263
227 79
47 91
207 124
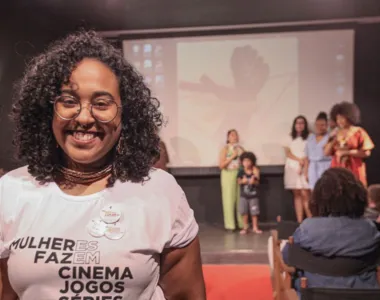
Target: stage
221 247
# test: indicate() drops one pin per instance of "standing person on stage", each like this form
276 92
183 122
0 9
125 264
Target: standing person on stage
163 159
294 174
351 144
316 162
88 217
229 164
248 178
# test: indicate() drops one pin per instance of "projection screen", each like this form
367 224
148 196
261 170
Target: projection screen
254 83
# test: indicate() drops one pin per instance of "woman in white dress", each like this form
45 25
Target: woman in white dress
294 178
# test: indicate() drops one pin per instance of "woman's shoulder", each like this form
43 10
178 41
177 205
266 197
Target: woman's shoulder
160 177
225 148
16 186
158 182
18 177
357 130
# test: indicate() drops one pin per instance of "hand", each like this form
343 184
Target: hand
306 176
333 136
333 133
235 154
244 180
252 179
301 162
249 70
256 172
301 171
340 154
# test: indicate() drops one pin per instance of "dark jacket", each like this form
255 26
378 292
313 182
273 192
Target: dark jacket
342 237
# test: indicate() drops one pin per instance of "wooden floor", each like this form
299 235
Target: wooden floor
221 247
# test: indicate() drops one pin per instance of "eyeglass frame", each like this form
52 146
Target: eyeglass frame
80 109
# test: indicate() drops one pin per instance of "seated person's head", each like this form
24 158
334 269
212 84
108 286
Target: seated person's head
338 193
373 210
374 196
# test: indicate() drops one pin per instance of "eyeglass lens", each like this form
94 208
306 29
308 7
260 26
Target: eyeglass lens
103 110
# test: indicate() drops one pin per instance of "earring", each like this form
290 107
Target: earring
120 146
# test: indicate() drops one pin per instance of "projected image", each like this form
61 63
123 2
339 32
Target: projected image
254 83
237 83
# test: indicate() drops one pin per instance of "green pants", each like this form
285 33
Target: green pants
230 199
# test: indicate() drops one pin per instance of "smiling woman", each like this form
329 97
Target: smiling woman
86 125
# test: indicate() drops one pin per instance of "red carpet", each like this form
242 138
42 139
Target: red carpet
238 282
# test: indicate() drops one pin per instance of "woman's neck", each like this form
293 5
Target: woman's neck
86 168
346 128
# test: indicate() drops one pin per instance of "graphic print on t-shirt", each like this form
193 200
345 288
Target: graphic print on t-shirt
80 267
247 190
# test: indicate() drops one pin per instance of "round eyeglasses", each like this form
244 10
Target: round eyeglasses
102 110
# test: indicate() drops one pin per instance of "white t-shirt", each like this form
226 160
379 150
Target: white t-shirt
53 256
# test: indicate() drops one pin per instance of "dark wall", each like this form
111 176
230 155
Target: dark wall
204 196
28 26
148 14
367 89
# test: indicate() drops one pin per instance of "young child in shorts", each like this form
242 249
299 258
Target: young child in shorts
248 180
373 210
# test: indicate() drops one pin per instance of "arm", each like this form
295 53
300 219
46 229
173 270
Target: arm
365 148
7 292
255 179
181 276
223 160
290 155
241 178
285 251
359 153
306 168
328 150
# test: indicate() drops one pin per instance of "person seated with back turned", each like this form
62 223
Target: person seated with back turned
338 229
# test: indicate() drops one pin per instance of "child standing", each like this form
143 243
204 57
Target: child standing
248 179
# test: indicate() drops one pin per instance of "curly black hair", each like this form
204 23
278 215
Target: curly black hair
338 193
350 111
249 155
305 132
321 116
33 112
333 111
